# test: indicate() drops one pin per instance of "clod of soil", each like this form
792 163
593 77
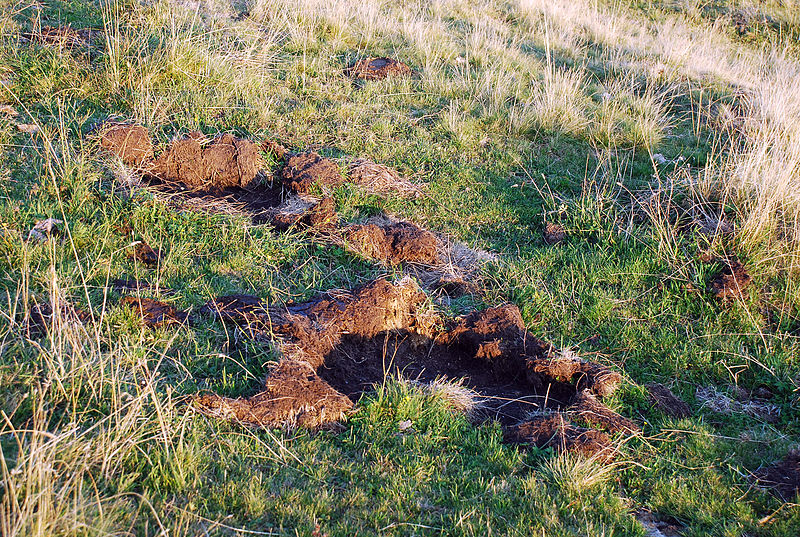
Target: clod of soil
666 401
225 162
588 409
302 210
293 396
552 430
377 69
154 313
393 242
245 310
131 143
783 478
554 233
145 254
382 180
731 282
270 146
40 318
306 169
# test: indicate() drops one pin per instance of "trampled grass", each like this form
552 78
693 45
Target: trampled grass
663 136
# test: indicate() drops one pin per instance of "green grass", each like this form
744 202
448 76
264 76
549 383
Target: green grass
97 434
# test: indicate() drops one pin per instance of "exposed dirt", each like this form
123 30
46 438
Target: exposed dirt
731 282
382 180
552 430
40 318
783 477
350 341
303 210
245 310
303 170
131 143
145 254
377 69
271 146
223 163
154 313
554 233
393 242
666 401
293 396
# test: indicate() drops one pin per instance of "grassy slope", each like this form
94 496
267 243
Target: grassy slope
125 453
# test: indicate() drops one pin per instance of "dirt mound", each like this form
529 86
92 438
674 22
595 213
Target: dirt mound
731 282
382 180
377 69
349 341
304 210
783 477
393 242
225 162
552 430
306 169
293 396
154 313
145 254
666 401
554 233
130 142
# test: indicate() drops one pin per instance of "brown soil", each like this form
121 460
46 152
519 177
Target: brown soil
131 143
270 146
40 318
554 233
783 478
382 180
394 242
305 211
731 282
586 408
377 69
153 312
352 340
145 254
551 430
223 163
246 310
306 169
666 401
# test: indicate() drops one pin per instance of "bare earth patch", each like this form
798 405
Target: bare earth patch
393 242
731 282
343 343
377 69
666 401
304 170
154 313
130 142
783 477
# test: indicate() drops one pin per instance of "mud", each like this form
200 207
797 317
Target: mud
731 282
350 341
304 170
783 477
145 254
224 162
393 242
554 233
130 142
377 69
382 180
553 431
154 313
666 401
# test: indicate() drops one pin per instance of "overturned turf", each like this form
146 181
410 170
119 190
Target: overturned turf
305 170
393 242
350 341
377 69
